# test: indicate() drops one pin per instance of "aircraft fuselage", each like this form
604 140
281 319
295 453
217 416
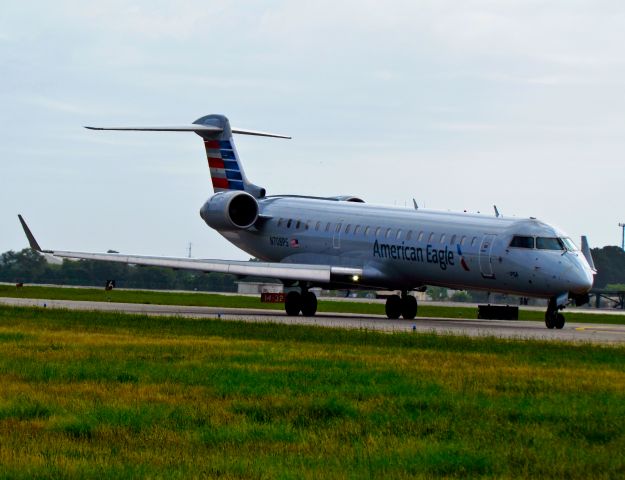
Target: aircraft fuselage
401 248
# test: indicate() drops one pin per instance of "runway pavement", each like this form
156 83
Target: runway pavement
572 332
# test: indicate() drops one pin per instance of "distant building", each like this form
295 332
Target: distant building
253 288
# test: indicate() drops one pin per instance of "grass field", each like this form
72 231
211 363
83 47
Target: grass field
241 301
88 394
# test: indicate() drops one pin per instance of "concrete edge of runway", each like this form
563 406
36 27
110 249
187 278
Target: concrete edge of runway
509 329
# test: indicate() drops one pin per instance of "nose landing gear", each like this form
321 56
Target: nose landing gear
405 306
553 317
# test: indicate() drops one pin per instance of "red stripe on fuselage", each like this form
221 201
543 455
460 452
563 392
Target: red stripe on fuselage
220 183
464 264
215 162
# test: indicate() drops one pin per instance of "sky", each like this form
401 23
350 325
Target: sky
458 104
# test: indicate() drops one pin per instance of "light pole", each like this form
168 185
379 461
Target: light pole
622 225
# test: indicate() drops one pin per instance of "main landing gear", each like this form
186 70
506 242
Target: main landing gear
553 317
305 302
405 306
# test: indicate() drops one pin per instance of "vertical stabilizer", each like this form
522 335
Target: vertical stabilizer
223 160
586 252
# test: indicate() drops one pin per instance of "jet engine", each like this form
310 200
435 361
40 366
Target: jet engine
230 210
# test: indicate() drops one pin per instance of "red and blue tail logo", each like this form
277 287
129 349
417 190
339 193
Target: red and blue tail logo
462 260
224 165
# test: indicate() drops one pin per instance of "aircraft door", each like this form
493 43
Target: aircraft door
486 264
336 241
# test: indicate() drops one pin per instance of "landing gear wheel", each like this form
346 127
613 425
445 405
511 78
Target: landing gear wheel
408 307
309 304
393 307
552 314
293 303
559 321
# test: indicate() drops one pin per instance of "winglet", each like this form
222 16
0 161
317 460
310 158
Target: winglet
29 235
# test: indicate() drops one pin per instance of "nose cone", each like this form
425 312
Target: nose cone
582 278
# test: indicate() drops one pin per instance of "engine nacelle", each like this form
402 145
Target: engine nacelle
230 210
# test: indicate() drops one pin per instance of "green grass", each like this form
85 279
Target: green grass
241 301
90 394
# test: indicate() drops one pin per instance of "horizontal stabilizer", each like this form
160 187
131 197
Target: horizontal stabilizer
191 128
258 134
178 128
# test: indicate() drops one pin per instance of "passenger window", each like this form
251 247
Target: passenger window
388 232
328 227
347 228
420 236
356 229
463 239
431 237
377 231
519 241
288 224
442 238
298 224
453 240
308 225
549 243
367 231
399 234
318 226
409 235
473 241
280 222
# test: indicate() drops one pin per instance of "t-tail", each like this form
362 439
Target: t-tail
223 160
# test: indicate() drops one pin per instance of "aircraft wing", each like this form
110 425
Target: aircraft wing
282 271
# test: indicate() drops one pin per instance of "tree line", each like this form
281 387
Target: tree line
27 266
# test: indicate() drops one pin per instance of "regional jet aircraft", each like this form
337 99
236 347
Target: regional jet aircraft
344 243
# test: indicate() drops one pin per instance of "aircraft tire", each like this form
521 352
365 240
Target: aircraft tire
309 304
559 321
393 307
550 320
293 303
408 307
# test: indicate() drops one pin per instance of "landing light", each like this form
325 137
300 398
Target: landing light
355 278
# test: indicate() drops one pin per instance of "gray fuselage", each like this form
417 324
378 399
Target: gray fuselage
401 248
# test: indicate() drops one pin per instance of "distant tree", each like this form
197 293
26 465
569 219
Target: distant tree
461 296
23 266
438 294
610 264
30 267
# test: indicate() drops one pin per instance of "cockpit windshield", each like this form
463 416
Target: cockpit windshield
520 241
543 243
549 243
569 244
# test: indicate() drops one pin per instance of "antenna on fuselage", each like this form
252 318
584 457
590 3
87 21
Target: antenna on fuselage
414 202
497 214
